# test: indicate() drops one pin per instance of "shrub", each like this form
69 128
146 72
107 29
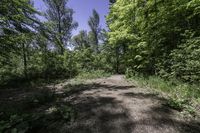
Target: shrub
185 61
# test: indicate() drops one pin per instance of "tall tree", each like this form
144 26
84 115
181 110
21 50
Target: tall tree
93 22
17 23
81 40
60 21
156 33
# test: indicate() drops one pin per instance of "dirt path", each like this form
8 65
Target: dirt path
112 105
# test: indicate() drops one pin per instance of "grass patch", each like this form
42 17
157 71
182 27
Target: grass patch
181 96
92 74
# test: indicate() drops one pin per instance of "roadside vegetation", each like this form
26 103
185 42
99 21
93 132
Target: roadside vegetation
160 44
38 108
181 96
92 75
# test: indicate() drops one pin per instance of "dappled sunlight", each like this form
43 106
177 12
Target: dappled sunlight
123 109
99 66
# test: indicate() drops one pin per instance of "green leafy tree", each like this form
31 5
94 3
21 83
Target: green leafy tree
81 41
93 22
60 23
146 33
17 23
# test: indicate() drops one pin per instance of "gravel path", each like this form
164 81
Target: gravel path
112 105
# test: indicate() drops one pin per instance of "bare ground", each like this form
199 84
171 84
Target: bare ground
107 105
112 105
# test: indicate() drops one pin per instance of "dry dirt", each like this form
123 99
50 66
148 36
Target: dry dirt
113 105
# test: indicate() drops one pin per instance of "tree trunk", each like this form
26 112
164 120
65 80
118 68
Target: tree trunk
117 59
96 43
25 61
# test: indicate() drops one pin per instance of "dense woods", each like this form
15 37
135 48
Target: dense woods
156 42
33 48
150 37
157 37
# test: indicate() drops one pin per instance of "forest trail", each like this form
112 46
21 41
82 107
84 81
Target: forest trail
113 105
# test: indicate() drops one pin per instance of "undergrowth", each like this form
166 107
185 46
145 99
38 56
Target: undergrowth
181 96
38 111
92 74
36 122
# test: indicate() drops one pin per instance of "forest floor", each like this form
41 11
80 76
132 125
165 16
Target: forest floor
104 105
113 105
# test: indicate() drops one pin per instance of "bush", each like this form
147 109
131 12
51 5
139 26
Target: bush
186 62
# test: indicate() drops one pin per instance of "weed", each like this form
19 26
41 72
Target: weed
181 96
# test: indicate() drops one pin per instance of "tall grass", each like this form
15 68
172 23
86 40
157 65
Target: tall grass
181 96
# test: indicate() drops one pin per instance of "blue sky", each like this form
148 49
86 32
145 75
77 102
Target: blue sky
83 9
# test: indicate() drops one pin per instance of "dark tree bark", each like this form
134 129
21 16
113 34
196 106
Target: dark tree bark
25 60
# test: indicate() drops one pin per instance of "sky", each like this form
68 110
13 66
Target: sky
83 9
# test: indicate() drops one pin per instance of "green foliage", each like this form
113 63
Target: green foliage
154 35
92 74
177 104
32 50
17 20
60 23
185 61
158 37
38 121
81 40
40 110
93 23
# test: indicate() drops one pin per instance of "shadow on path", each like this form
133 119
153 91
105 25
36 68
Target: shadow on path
101 111
107 107
101 115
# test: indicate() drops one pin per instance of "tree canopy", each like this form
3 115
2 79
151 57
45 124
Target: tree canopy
152 34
